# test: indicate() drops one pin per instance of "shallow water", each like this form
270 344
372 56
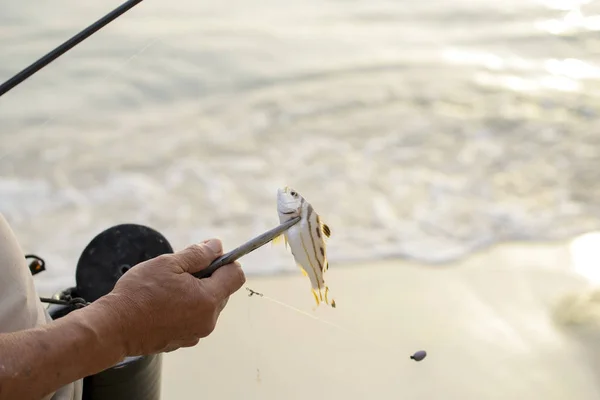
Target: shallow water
423 130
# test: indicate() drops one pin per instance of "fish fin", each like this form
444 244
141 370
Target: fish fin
303 271
326 265
279 239
326 229
315 296
332 303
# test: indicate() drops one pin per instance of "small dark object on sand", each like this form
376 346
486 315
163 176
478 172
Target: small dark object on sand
419 355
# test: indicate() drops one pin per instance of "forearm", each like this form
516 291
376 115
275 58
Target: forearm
38 361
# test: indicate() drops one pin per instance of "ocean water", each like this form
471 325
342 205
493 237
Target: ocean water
421 130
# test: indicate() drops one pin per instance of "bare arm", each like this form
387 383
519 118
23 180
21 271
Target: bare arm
156 306
38 361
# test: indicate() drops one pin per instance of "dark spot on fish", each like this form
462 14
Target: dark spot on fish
322 251
318 231
419 355
312 239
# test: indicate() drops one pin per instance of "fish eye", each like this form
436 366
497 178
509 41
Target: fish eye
293 193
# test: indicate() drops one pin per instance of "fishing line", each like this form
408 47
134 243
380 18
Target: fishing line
255 348
112 72
337 326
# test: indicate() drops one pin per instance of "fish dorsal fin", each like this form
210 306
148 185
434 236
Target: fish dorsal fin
326 230
279 239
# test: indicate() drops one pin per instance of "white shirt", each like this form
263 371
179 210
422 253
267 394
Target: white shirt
20 305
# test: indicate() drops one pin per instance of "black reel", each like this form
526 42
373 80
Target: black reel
112 253
105 259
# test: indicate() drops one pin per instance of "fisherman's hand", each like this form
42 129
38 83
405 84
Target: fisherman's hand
160 306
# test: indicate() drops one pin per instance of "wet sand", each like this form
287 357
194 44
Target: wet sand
485 323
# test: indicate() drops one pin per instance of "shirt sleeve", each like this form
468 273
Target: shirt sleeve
20 305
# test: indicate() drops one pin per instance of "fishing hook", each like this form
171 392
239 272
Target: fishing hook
252 292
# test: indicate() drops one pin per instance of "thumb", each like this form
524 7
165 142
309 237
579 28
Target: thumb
196 257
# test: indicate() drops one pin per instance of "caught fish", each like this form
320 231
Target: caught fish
306 240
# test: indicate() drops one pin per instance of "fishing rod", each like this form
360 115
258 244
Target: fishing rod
66 46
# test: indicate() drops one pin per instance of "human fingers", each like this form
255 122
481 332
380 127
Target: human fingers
225 281
223 304
180 344
196 257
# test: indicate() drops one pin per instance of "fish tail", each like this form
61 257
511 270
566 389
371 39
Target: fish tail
317 292
315 296
329 301
322 295
318 287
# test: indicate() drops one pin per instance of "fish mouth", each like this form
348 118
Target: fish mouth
284 209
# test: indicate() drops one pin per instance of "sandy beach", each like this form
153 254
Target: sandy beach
485 323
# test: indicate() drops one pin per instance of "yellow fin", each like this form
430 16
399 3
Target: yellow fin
303 271
326 230
316 297
279 239
332 302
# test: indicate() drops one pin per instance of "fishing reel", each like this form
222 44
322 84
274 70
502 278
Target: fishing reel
104 260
